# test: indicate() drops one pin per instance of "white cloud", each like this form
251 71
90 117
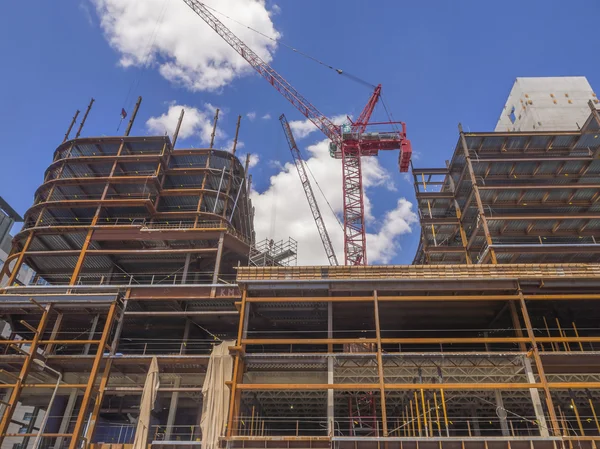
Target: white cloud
266 116
275 9
251 115
170 36
85 10
282 210
196 122
302 128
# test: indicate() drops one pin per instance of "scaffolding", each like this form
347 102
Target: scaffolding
271 253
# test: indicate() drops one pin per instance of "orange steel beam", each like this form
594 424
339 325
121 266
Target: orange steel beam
481 212
18 386
538 363
390 386
380 366
79 423
238 371
6 386
415 340
294 299
106 373
88 238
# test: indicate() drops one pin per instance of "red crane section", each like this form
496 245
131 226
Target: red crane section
348 143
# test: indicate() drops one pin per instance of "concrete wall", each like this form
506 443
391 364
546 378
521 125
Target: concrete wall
13 427
547 104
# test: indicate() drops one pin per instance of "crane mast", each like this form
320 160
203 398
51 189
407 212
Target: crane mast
348 145
310 196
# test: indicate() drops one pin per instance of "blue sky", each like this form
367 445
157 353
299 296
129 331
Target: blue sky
440 62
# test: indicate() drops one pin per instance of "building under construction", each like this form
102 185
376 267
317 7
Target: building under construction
154 317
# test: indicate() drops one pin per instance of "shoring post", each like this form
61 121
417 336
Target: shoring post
589 396
437 413
577 335
480 209
417 414
443 401
538 363
85 116
380 366
133 115
576 411
81 416
20 381
214 131
178 127
71 125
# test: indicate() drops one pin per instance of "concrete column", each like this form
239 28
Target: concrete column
218 258
535 399
86 347
186 267
177 384
67 413
475 421
501 412
330 396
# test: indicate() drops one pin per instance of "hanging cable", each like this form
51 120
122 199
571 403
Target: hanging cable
306 55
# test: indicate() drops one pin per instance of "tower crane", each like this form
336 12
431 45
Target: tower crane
310 195
348 142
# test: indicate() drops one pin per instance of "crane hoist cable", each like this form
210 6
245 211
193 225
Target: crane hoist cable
306 55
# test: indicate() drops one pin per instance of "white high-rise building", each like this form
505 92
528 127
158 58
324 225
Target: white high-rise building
547 104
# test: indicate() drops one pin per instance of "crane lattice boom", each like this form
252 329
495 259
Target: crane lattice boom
310 196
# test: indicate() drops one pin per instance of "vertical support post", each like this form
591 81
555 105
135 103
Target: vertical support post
480 210
55 330
133 115
540 370
380 366
176 133
86 347
66 420
214 131
238 367
16 391
330 376
79 424
177 384
215 279
237 131
85 116
474 417
186 267
502 417
71 126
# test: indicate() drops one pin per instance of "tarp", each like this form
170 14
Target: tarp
215 405
146 405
